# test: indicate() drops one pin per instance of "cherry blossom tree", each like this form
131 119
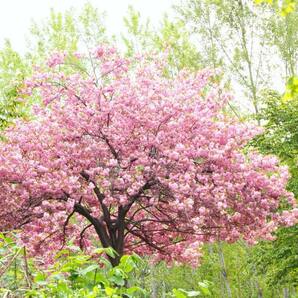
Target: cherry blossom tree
121 154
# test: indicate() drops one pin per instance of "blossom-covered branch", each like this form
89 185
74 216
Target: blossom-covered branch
138 161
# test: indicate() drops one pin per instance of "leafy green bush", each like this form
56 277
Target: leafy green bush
77 275
74 274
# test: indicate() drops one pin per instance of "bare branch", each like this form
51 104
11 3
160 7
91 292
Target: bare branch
82 235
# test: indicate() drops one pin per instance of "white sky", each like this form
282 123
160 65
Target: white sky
16 15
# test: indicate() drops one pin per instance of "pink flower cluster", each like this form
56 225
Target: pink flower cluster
146 163
56 58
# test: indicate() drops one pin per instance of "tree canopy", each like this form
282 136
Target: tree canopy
144 162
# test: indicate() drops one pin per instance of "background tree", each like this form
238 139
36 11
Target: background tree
67 31
232 40
171 37
285 7
281 33
279 258
13 70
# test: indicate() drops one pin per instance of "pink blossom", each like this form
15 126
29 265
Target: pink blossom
56 59
144 158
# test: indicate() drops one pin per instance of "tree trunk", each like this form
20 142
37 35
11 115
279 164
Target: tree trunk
154 286
224 271
286 293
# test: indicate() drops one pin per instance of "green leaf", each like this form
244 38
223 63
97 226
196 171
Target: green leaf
111 252
178 293
39 277
133 290
109 291
118 280
88 269
127 263
193 293
204 288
